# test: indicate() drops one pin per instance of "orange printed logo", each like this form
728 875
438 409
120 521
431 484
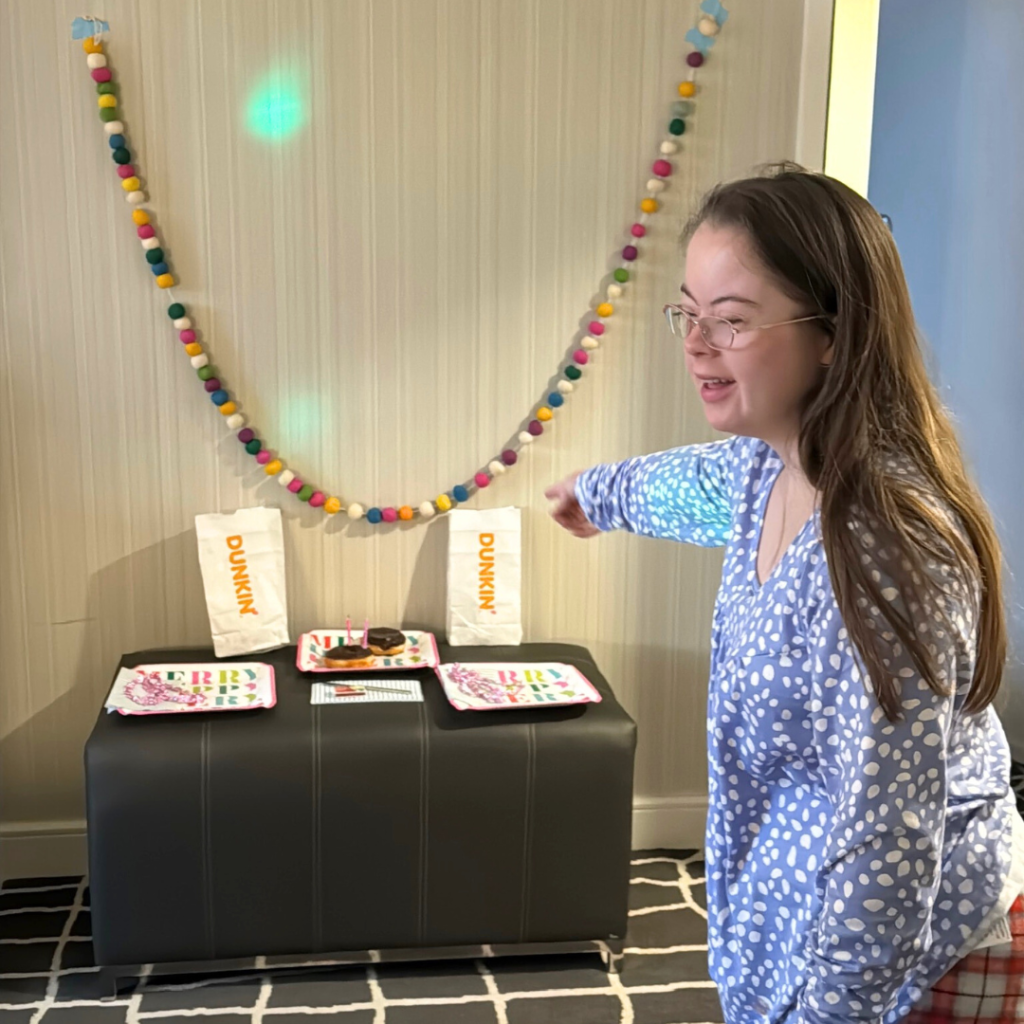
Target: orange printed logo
485 574
240 574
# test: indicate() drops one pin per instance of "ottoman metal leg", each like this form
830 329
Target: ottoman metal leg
613 955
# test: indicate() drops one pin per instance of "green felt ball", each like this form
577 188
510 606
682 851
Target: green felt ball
122 156
155 255
105 88
305 492
253 446
206 372
677 126
109 114
622 275
175 310
573 372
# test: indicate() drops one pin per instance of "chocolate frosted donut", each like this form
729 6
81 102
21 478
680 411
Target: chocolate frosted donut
386 641
348 654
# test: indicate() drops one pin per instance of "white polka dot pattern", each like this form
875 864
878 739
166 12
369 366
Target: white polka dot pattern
849 858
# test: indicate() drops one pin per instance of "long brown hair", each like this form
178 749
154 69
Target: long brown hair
828 248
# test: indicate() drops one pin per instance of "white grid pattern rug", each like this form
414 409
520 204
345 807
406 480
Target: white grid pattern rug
47 972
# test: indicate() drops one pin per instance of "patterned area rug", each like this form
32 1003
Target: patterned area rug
47 972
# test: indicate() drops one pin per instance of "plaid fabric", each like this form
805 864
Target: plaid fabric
986 987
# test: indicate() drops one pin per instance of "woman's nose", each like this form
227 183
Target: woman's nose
694 343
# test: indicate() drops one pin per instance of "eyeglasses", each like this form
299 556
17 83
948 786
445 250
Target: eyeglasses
717 332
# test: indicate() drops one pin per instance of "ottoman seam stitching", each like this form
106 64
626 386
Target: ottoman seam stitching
317 864
424 817
207 852
524 914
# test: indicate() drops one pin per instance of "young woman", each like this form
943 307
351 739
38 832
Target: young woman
862 838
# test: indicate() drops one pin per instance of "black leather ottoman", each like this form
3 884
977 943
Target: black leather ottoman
318 829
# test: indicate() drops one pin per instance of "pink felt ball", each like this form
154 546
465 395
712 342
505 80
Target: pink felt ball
146 231
662 168
638 231
101 75
596 327
187 336
317 499
263 456
126 171
581 357
695 59
389 515
295 486
482 480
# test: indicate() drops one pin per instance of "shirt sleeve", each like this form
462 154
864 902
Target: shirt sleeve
886 782
685 494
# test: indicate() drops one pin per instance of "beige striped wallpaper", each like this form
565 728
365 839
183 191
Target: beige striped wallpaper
388 291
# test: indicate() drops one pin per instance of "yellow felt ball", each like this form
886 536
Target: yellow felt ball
544 413
274 466
193 348
130 184
649 205
165 281
605 309
687 89
228 409
91 45
106 100
443 502
140 217
332 506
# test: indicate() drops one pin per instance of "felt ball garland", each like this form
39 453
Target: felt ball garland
702 37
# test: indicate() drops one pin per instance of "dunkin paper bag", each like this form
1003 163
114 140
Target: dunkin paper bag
242 558
484 577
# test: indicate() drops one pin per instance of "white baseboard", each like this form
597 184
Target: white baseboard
669 822
31 849
42 849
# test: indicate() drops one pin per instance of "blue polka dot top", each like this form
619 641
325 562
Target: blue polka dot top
850 860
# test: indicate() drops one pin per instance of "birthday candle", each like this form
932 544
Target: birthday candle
348 629
366 633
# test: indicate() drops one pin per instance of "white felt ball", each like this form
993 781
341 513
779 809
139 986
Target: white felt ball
525 437
497 467
707 26
235 421
668 146
114 127
182 323
427 509
614 291
565 387
590 342
136 197
354 511
151 243
285 477
201 360
96 60
655 185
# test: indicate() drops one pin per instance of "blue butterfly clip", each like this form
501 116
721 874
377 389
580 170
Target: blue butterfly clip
697 39
83 28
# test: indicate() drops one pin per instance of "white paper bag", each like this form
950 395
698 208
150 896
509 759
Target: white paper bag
484 577
242 558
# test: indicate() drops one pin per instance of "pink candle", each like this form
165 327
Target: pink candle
348 629
366 633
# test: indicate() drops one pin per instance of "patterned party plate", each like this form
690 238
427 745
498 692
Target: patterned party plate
491 686
178 688
420 652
